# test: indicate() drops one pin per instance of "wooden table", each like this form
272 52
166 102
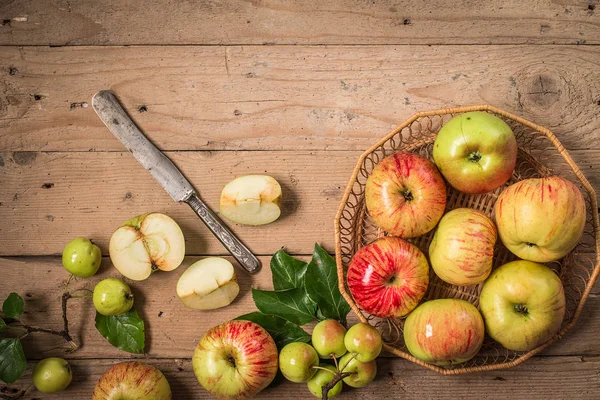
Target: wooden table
294 89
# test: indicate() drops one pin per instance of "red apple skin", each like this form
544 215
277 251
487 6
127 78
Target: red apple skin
540 219
254 352
132 379
462 249
444 331
388 277
405 195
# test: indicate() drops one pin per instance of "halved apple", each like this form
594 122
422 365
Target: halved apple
208 284
251 200
145 244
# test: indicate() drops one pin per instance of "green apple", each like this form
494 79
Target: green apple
251 200
328 339
476 152
444 331
462 249
52 375
362 373
365 341
322 378
296 361
208 284
81 257
235 360
541 219
112 296
132 380
523 304
145 244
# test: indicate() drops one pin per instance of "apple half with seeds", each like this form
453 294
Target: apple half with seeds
208 284
145 244
251 200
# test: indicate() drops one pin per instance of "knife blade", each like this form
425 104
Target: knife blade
167 174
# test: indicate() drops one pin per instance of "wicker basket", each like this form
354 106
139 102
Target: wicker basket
540 154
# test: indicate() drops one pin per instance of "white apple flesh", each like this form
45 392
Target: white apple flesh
208 284
251 200
145 244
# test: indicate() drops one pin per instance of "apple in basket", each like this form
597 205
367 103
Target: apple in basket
523 304
388 277
476 152
540 219
405 195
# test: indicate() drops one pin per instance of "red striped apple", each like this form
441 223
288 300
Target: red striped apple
444 331
523 304
132 380
462 249
405 195
388 277
540 219
476 152
235 360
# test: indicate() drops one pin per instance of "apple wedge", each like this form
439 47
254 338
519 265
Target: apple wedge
251 200
208 284
145 244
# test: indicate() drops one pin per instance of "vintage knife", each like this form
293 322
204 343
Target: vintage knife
167 174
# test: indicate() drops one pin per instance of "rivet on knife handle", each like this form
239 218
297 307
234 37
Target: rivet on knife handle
228 239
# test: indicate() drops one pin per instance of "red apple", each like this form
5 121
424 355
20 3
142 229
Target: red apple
541 219
462 249
405 195
444 331
132 380
476 152
235 360
388 277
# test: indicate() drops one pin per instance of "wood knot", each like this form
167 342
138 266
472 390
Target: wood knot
544 90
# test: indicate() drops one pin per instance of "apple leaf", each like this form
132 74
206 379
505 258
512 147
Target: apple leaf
12 360
13 306
2 324
321 282
293 305
125 331
282 331
288 272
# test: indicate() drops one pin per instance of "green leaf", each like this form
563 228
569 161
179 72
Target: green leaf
12 360
2 324
321 284
288 272
125 331
282 331
13 306
293 305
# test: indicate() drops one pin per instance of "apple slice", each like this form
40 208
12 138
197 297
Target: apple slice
251 200
208 284
145 244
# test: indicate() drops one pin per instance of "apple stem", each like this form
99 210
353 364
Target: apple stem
338 377
324 369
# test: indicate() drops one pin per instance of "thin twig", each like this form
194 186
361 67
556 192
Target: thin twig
338 377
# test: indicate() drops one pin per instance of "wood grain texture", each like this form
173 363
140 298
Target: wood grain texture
298 22
543 378
286 97
47 199
172 330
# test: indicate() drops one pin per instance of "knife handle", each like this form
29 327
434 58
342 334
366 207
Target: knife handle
237 249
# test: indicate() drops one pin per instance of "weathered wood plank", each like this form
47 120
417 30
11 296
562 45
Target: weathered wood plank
298 22
172 329
286 97
541 378
47 199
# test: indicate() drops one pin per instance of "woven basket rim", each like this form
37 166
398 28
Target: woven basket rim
565 155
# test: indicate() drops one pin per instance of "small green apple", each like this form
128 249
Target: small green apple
81 257
322 378
365 341
296 361
112 296
328 338
362 373
52 375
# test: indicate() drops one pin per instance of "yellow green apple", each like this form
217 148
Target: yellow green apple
328 338
363 340
112 296
81 257
322 378
362 373
296 361
52 375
